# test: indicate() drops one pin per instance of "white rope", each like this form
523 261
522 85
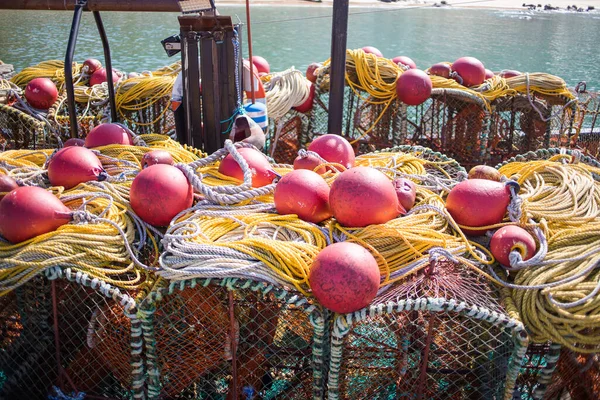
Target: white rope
285 90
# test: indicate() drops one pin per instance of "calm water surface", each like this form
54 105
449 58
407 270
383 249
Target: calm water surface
562 44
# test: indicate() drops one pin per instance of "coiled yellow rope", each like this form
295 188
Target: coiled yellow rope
53 69
138 93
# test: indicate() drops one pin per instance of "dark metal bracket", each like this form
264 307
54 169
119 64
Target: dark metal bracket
80 6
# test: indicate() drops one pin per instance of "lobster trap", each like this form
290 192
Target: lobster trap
441 334
286 136
72 335
92 109
232 339
19 130
575 374
537 371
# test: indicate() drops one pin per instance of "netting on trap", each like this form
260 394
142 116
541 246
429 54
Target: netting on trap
19 130
441 334
575 374
286 136
91 112
87 340
536 371
232 339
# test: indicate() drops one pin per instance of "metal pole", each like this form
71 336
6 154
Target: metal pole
252 95
69 67
338 65
107 60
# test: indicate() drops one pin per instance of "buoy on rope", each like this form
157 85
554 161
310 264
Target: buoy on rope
74 142
470 70
261 65
509 73
413 87
157 157
41 93
307 105
7 184
440 69
333 149
310 72
478 203
512 238
362 196
99 76
106 134
160 192
91 65
73 165
262 171
258 113
309 160
30 211
344 277
405 62
488 74
304 193
406 191
372 50
485 172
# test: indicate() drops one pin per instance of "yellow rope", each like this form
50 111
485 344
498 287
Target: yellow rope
139 93
53 69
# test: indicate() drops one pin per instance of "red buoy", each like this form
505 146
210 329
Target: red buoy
157 157
334 149
7 184
362 196
91 65
372 50
406 191
405 61
510 238
74 165
105 134
310 72
308 103
440 69
74 142
160 192
344 277
30 211
304 193
99 76
413 87
41 93
261 64
470 69
478 202
309 161
509 73
262 171
488 74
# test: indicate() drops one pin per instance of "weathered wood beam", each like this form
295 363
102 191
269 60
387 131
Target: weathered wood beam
92 5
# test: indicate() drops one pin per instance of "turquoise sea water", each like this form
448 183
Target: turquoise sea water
562 44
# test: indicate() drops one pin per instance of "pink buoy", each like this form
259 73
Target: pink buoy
344 277
106 134
308 103
334 149
157 157
41 93
261 64
160 192
262 170
413 87
440 69
99 76
30 211
74 165
310 72
91 65
470 70
304 193
7 184
509 73
74 142
406 61
372 50
488 74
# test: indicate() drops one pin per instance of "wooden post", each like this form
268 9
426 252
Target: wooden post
338 66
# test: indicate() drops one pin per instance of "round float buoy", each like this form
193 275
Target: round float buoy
413 87
307 105
91 65
405 61
160 192
157 157
362 196
310 72
510 238
310 161
30 211
261 64
485 172
304 193
333 149
372 50
41 93
440 69
509 73
74 142
99 76
478 202
470 70
7 184
106 134
344 277
488 74
406 191
262 171
258 112
73 165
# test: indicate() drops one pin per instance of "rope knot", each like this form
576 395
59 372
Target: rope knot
84 217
